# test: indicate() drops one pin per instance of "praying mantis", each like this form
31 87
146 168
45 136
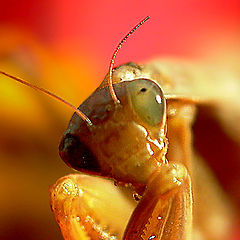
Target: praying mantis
136 129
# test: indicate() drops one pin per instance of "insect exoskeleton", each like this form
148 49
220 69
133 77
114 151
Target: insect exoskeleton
127 141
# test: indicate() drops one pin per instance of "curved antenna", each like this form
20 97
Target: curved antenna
110 82
79 113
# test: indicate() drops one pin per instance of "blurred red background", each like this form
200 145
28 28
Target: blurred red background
66 47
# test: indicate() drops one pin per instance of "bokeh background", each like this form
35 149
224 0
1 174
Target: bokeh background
66 46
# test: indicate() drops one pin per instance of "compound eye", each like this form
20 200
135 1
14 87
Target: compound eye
147 100
77 155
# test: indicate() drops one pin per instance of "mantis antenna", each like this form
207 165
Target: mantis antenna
80 114
110 81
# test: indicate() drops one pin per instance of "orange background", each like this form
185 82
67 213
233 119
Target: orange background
66 47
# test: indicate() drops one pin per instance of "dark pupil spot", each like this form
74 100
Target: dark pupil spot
143 90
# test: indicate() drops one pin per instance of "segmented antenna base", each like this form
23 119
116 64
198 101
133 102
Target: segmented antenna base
110 81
